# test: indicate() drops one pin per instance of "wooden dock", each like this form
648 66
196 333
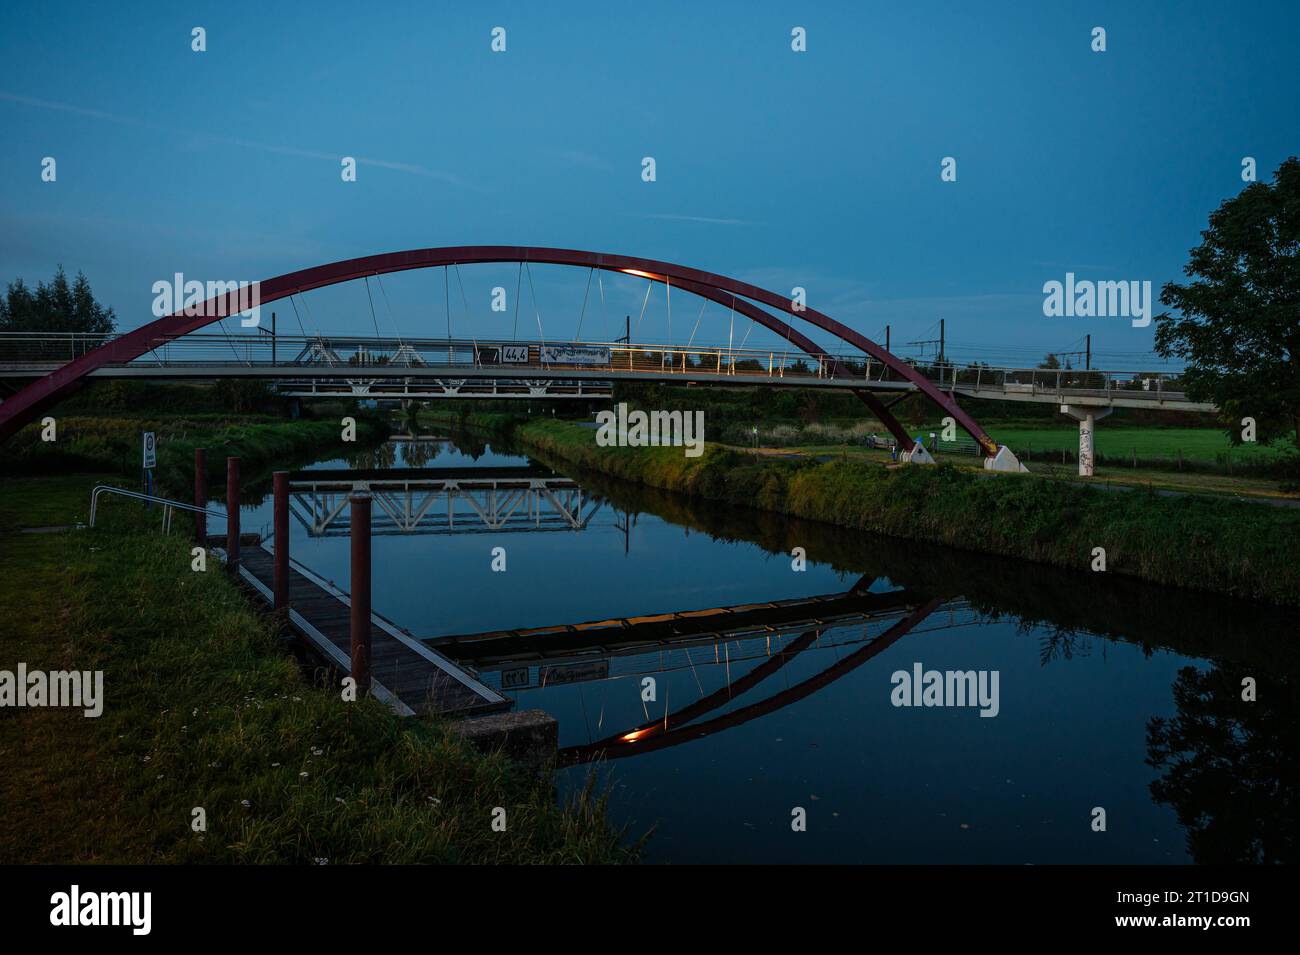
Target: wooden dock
405 674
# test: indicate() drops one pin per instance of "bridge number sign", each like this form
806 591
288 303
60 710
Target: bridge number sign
150 451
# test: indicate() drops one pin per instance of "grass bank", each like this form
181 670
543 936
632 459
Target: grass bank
112 444
1239 549
203 710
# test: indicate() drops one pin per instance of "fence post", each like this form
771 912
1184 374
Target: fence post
201 495
232 513
360 506
281 519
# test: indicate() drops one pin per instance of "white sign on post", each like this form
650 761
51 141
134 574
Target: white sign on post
150 451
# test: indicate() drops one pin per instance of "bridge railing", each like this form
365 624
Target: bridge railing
1063 382
39 352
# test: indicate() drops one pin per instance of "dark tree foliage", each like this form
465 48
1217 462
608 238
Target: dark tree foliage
1237 323
1229 767
242 395
56 307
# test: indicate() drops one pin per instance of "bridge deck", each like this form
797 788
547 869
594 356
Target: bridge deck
409 676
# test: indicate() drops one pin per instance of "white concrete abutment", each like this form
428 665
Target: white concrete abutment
1087 418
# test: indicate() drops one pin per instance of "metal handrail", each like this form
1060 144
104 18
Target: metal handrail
422 358
168 505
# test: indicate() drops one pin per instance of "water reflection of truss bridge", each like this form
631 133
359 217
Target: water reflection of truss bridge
442 500
848 628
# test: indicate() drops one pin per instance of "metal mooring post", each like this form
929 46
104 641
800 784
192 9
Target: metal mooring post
360 504
232 513
201 495
281 581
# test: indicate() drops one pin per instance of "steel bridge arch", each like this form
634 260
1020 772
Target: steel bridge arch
28 402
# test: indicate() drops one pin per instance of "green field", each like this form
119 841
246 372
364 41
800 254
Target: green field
1196 444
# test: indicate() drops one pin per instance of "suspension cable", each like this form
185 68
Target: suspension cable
229 340
600 284
392 320
464 301
668 293
646 301
514 334
697 322
731 329
536 312
297 316
371 300
746 338
578 336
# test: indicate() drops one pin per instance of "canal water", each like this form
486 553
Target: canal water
1111 728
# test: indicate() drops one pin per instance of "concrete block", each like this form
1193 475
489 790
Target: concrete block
1004 460
529 737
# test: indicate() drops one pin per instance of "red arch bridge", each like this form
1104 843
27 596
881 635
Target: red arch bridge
175 347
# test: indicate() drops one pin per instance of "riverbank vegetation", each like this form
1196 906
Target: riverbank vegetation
1240 549
1128 439
100 430
203 710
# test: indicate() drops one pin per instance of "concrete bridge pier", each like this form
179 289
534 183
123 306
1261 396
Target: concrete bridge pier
1087 418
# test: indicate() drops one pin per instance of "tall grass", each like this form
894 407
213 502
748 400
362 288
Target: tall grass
203 710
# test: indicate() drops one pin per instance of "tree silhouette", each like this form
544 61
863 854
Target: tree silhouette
1229 766
56 307
1238 328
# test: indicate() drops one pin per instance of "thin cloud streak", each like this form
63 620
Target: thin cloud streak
413 169
706 220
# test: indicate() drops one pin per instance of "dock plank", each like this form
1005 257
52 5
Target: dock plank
422 679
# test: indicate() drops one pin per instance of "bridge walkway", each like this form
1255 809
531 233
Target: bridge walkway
410 677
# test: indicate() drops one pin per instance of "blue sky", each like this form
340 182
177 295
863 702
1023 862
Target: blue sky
818 169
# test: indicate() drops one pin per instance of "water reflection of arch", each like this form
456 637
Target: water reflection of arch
677 727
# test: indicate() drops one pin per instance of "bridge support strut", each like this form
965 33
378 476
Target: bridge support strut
1087 418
